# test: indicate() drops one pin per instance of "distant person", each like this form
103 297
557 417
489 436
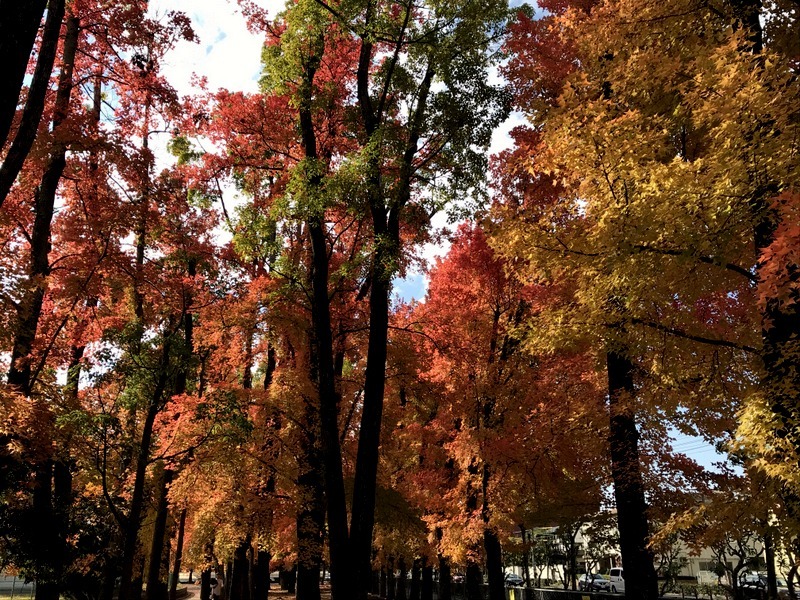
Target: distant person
214 588
217 584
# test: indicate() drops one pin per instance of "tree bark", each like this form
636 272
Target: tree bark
237 583
262 576
416 572
18 26
34 105
176 565
640 577
311 509
473 581
427 582
156 585
205 584
20 372
526 557
51 506
494 565
390 580
322 359
386 236
401 581
445 579
133 522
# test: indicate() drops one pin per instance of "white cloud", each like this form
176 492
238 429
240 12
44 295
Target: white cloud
227 53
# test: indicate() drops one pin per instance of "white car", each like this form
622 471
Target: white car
617 578
589 582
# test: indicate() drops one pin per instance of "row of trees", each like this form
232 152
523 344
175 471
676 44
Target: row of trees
236 381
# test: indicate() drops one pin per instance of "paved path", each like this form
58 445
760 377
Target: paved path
274 592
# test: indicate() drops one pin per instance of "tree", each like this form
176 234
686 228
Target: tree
632 170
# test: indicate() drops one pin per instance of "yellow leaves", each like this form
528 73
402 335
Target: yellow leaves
756 438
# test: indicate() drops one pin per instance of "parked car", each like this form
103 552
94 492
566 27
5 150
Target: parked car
616 577
514 580
754 586
593 582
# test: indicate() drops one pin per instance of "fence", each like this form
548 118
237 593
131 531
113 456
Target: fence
13 587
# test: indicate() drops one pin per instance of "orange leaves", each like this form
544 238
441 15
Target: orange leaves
778 277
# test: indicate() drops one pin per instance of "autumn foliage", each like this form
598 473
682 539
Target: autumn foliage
207 366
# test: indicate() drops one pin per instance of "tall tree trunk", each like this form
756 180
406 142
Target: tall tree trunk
262 576
34 105
491 543
387 247
311 509
52 509
473 580
133 522
769 557
416 573
18 26
401 581
238 586
20 372
322 357
445 579
640 576
176 565
494 565
426 590
526 557
156 586
363 515
205 584
251 575
390 579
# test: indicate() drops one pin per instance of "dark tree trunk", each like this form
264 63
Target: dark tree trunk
47 589
176 566
262 582
427 582
136 586
401 582
640 576
445 579
526 557
133 522
251 575
34 105
311 510
238 585
376 582
50 505
387 245
416 572
382 591
205 584
18 26
494 565
322 357
109 579
20 373
363 512
156 583
390 581
291 580
473 581
769 557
